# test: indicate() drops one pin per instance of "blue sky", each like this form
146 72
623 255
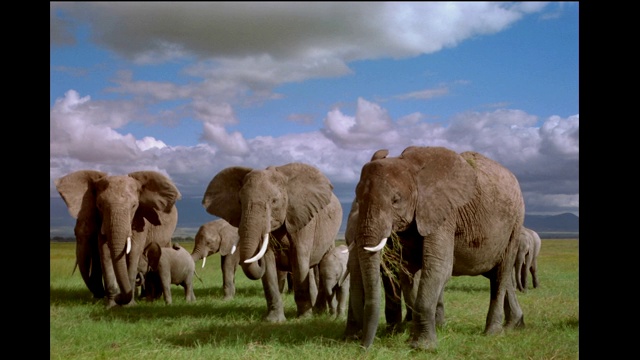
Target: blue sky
189 89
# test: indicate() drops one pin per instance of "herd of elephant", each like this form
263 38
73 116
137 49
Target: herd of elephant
444 213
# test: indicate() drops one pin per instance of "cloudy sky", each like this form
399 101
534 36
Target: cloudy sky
188 89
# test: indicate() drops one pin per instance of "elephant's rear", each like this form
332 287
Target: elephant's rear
497 214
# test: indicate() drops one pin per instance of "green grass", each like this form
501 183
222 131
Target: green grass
80 327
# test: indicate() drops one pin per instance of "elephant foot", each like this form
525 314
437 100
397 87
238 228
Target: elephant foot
308 313
275 317
493 329
110 303
423 343
516 324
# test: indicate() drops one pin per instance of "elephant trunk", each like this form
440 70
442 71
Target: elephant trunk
370 272
253 231
120 237
199 253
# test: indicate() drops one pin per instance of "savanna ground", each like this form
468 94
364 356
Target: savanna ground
81 328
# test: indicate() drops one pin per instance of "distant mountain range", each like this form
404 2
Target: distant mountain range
191 215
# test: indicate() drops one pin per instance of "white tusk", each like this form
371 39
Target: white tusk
265 243
128 244
233 249
204 260
377 247
345 251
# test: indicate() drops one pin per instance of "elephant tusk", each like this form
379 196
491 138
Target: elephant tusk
265 243
204 260
377 247
128 244
233 249
351 246
345 251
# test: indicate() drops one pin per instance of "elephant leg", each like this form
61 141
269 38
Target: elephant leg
188 289
534 273
514 317
275 306
392 304
302 279
165 277
228 267
342 295
110 283
436 271
320 297
407 287
440 320
282 280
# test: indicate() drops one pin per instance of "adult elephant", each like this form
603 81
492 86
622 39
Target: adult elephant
218 236
527 258
117 216
459 214
287 218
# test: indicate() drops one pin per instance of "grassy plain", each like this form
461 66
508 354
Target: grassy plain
80 327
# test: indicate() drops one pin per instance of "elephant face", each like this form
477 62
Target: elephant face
258 202
120 210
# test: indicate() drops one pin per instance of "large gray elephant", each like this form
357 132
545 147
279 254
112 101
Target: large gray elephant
527 258
117 216
287 218
453 214
218 236
173 265
334 279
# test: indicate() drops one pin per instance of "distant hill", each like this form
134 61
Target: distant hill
191 215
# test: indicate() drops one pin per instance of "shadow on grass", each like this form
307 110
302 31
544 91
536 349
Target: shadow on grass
294 331
467 288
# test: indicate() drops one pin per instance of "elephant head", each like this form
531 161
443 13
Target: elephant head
114 216
213 237
261 201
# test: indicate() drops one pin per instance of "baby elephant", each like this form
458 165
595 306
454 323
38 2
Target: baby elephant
334 279
173 265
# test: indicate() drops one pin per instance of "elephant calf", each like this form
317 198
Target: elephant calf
527 258
172 265
334 279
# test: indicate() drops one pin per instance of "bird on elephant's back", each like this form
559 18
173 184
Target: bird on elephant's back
461 212
292 205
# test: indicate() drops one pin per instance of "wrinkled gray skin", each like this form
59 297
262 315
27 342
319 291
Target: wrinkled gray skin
527 259
174 265
218 236
334 279
109 209
294 208
455 214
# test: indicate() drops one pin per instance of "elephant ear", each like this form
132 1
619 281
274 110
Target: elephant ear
77 191
157 190
308 190
352 223
228 237
445 181
222 197
380 154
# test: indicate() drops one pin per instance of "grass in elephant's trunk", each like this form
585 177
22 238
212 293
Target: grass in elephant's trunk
392 262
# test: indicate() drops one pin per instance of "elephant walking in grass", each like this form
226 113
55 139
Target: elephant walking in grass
527 258
117 216
451 214
287 218
173 265
218 236
334 279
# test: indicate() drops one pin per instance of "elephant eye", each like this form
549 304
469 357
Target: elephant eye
396 199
